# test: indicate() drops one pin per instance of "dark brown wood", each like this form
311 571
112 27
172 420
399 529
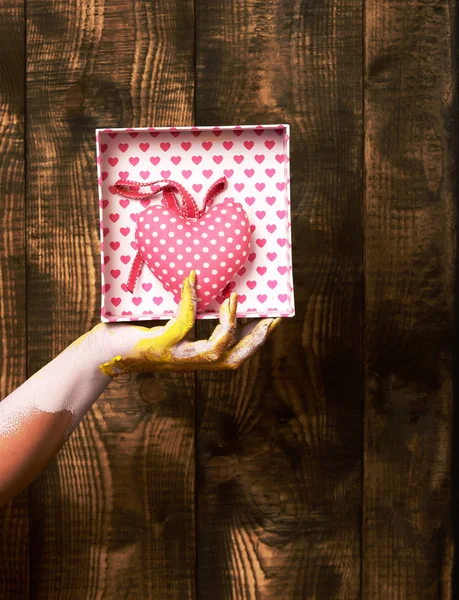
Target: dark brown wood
279 441
113 515
14 519
409 266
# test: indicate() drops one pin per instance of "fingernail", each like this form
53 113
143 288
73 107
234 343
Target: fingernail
193 277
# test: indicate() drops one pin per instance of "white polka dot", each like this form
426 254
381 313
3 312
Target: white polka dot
222 278
155 249
187 233
148 255
179 226
188 264
238 208
238 246
223 263
143 248
221 233
198 271
206 293
179 242
211 227
147 225
196 242
238 231
148 241
229 240
171 234
140 233
242 223
213 242
165 212
197 256
164 271
173 219
171 250
214 286
224 211
222 248
188 249
180 271
163 257
227 224
156 264
207 216
234 217
206 265
230 269
162 242
205 249
160 276
218 219
205 235
198 286
195 229
244 253
180 256
173 278
214 257
244 238
172 265
141 219
238 261
214 271
230 255
155 219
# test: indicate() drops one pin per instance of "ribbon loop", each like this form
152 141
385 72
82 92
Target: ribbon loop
187 208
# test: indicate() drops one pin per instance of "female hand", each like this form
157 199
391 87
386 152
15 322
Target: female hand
168 348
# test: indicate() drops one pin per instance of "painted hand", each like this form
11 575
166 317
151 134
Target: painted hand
168 348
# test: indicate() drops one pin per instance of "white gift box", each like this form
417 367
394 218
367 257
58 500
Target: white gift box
255 161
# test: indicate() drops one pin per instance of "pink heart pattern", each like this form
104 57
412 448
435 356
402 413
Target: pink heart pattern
255 160
216 246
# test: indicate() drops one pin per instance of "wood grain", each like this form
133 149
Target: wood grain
113 516
14 527
409 266
279 441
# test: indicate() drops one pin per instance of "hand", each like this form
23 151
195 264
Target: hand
167 348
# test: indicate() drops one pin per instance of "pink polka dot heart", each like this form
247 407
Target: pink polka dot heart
216 246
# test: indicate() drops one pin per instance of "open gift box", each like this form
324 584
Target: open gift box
253 163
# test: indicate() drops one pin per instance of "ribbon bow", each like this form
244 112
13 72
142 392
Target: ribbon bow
187 208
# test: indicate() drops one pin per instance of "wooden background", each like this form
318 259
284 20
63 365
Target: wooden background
322 468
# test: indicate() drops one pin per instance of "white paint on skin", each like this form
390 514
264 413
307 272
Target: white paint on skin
71 382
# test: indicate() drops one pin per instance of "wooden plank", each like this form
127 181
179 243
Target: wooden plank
14 525
409 265
113 516
279 441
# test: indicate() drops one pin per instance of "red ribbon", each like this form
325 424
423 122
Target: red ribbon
187 208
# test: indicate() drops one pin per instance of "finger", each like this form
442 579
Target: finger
254 336
210 350
224 335
186 312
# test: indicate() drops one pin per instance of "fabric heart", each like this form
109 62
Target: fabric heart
175 238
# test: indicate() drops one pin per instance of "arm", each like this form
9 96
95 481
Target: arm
37 417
